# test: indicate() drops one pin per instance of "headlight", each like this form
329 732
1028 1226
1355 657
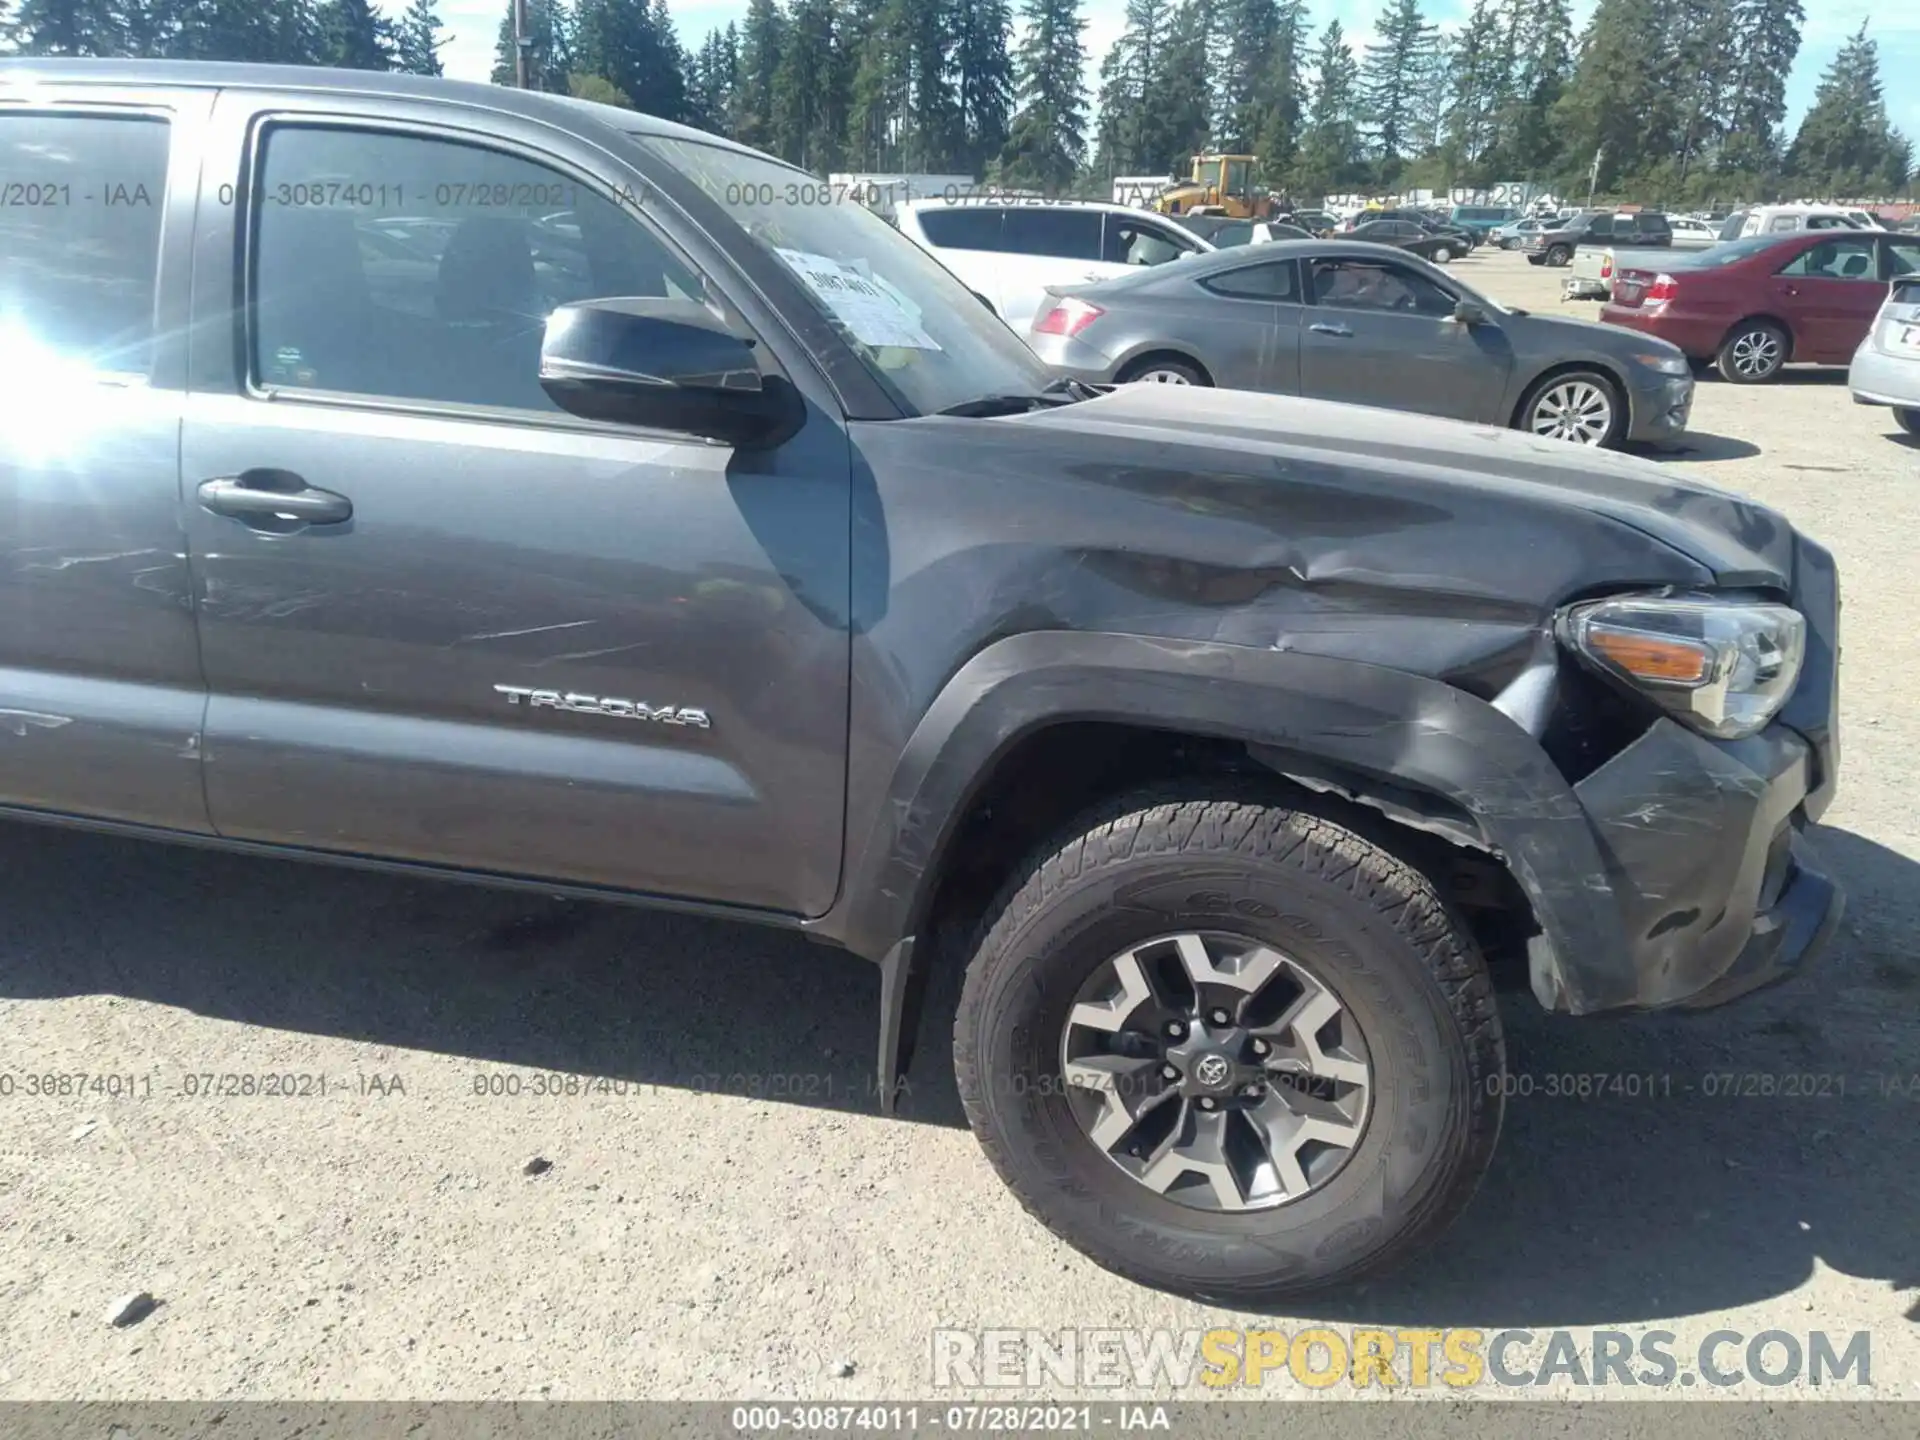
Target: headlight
1722 664
1665 364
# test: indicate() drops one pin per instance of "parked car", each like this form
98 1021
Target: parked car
1646 229
1406 235
1255 232
1753 306
1509 236
1338 320
1314 222
1691 234
1481 220
1216 739
1886 367
1459 241
1008 252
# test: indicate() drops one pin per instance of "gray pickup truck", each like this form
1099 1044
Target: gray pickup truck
498 486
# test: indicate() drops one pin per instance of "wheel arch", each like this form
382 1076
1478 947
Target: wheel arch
1159 351
1424 754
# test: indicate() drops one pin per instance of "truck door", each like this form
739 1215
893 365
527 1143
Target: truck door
443 621
100 689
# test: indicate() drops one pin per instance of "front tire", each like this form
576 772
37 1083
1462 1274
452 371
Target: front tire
1442 254
1558 256
1582 407
1908 420
1178 937
1753 353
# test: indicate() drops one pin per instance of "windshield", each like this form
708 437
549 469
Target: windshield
927 337
1207 173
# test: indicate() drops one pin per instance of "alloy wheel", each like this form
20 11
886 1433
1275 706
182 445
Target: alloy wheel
1217 1071
1574 409
1757 353
1161 377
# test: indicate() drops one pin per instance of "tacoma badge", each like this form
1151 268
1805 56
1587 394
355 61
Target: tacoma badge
605 705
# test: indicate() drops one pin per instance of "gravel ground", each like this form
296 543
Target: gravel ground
684 1239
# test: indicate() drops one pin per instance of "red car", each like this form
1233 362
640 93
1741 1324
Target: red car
1753 305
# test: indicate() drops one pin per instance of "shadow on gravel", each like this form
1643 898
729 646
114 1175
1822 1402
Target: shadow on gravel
1755 1141
1699 445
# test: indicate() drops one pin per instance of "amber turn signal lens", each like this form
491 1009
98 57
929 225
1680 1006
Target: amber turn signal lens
1654 657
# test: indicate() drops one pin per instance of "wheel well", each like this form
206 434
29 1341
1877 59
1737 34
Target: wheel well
1774 320
1140 362
1054 775
1569 367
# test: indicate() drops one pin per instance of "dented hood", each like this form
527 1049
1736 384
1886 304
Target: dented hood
1740 542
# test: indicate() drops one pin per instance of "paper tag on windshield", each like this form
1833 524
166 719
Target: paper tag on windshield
870 312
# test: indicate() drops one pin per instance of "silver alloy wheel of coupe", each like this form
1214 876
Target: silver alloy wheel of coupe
1161 377
1573 409
1217 1071
1757 353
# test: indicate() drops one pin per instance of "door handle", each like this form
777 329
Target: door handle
273 495
1331 330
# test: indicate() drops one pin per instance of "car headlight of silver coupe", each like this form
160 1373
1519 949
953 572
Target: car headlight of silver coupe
1723 664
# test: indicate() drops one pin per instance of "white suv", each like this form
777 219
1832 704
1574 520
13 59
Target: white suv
1009 251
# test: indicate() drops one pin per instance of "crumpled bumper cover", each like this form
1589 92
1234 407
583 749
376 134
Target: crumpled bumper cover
1705 852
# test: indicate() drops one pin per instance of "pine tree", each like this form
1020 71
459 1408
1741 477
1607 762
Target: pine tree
1618 105
1187 90
935 131
1134 131
633 46
983 54
1048 134
1330 157
354 37
417 39
1528 144
68 27
1766 42
1475 81
711 78
1283 96
248 31
882 82
761 41
1845 146
1251 32
809 95
549 55
1390 82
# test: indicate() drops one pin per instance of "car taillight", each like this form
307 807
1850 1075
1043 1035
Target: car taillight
1664 288
1606 268
1068 317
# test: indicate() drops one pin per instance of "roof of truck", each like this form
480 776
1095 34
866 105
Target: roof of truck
17 73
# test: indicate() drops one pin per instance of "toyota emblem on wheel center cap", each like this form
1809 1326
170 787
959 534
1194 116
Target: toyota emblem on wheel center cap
1212 1071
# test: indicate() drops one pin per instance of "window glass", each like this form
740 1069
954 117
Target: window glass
80 239
1827 222
962 227
1209 173
1841 258
422 269
1068 234
1140 242
1236 176
1600 228
1372 285
1240 232
1781 223
1273 281
1904 256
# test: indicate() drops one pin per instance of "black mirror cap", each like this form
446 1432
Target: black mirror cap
666 365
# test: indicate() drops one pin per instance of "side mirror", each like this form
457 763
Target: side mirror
1470 312
667 365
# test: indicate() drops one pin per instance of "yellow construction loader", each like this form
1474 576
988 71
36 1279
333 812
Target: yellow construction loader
1221 185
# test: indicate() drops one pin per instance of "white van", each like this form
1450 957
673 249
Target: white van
1009 251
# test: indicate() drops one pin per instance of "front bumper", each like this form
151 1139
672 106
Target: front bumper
1704 847
1073 358
1659 408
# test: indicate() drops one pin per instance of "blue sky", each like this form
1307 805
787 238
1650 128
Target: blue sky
474 24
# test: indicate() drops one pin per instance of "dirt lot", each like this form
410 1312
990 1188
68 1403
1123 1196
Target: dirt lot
383 1241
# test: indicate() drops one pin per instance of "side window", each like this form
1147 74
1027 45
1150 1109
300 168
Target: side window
1240 232
1371 285
1135 242
962 227
413 268
80 239
1836 259
1781 224
1067 234
1600 228
1903 257
1273 281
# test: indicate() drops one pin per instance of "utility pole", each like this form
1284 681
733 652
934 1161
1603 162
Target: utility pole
1593 175
520 44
